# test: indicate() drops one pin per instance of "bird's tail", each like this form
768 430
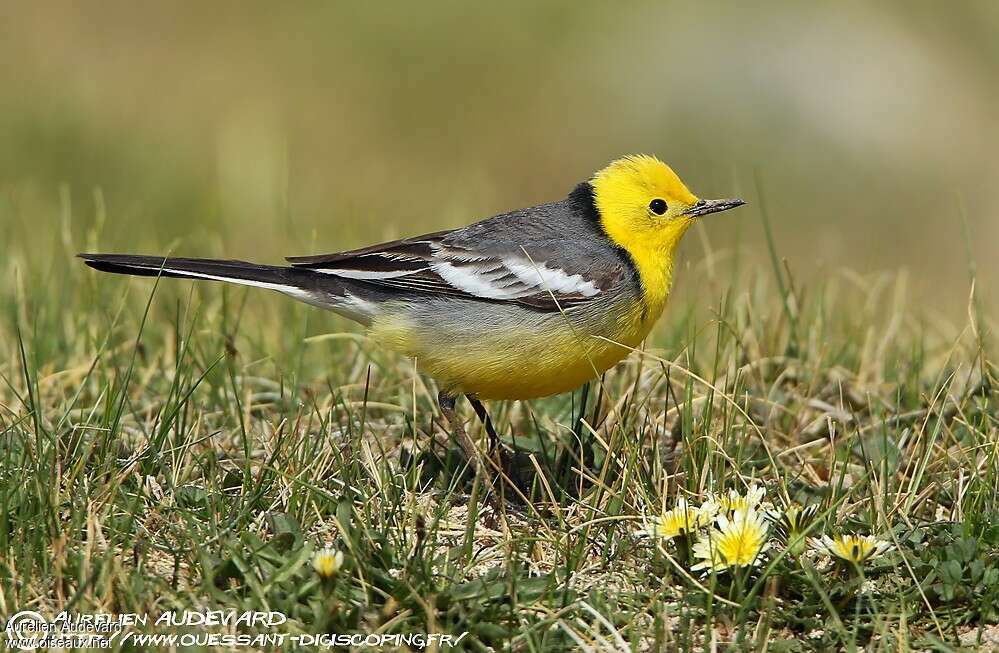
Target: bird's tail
305 285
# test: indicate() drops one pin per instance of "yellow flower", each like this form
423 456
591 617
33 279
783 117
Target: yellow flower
327 562
681 520
857 549
793 521
733 501
736 541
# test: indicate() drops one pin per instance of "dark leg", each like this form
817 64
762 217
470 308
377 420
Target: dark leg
480 410
447 403
510 465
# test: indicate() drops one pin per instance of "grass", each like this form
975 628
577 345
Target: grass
171 448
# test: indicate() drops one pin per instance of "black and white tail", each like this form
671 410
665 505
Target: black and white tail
305 285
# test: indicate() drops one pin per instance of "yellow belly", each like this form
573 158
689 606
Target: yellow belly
515 363
524 372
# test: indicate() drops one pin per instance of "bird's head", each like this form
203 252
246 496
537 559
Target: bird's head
643 205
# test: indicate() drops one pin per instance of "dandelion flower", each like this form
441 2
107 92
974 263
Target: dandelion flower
792 523
736 541
733 501
681 520
327 562
857 549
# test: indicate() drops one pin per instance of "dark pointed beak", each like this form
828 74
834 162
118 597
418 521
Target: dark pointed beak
704 207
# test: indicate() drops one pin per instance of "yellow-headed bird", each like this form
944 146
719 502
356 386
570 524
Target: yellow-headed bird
520 305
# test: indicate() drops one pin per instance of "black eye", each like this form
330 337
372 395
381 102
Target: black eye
658 206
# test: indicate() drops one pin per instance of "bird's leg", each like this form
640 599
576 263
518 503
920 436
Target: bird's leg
505 461
495 459
447 404
480 410
475 457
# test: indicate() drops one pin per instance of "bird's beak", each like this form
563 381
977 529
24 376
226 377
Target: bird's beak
704 207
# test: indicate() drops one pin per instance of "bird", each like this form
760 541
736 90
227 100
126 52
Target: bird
520 305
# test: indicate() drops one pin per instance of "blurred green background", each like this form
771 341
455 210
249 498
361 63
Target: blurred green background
259 129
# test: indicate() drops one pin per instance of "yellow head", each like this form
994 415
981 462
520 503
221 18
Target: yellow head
644 207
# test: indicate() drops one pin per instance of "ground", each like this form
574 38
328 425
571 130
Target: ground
184 449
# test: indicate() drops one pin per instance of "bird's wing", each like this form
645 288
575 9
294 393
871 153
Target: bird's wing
487 264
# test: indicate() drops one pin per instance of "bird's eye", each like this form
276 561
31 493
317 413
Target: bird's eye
658 206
